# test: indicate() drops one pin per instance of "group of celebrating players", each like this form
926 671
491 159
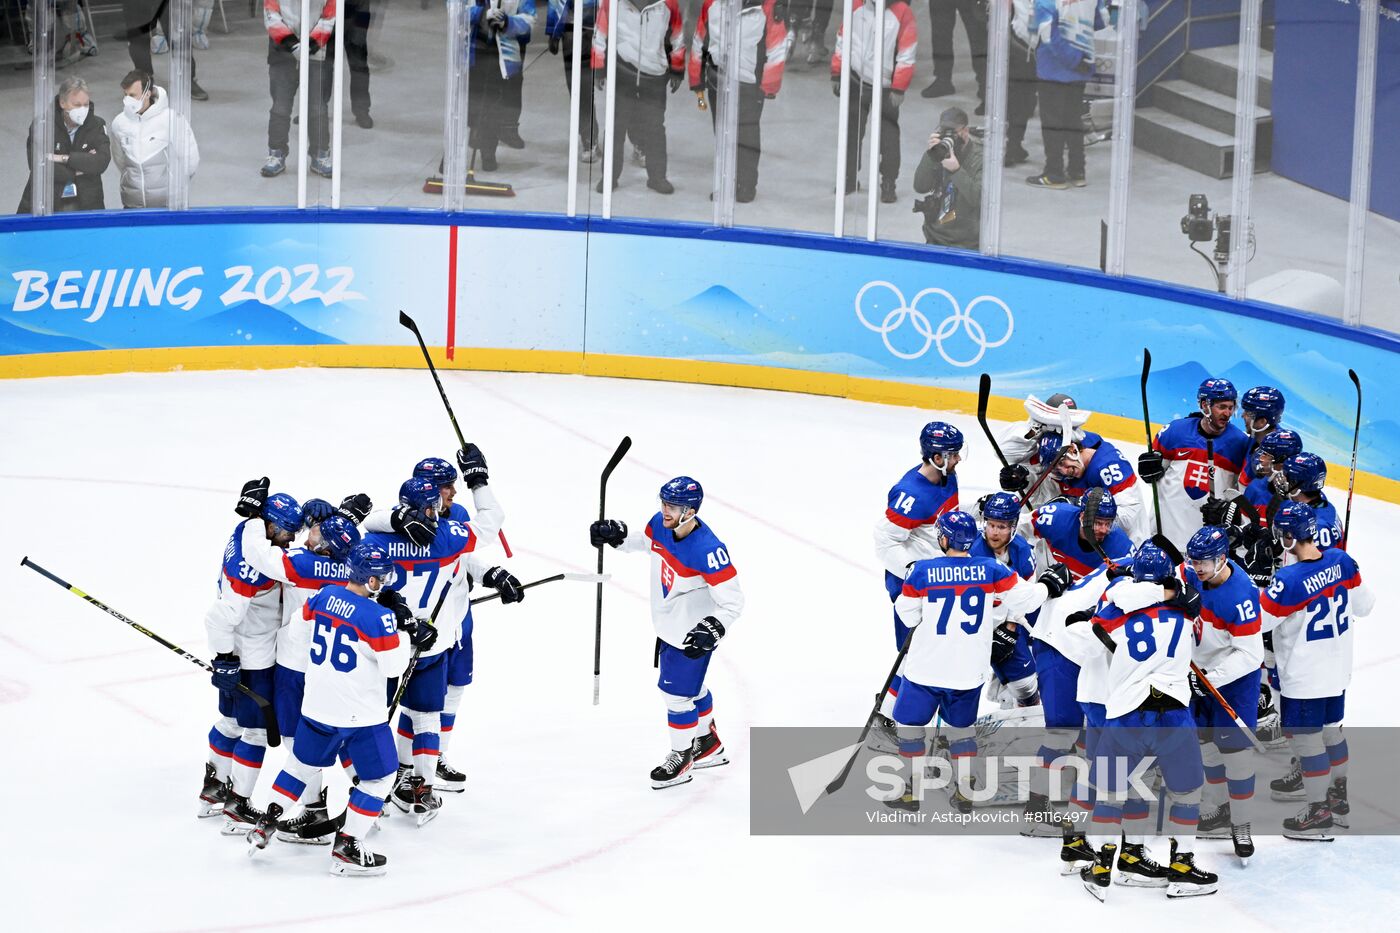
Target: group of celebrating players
1134 644
372 613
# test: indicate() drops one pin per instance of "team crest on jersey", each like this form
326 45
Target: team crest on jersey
1197 479
668 577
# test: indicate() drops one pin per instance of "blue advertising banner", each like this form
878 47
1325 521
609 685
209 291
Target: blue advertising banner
788 302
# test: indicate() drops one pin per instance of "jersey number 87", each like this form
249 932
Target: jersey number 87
1142 634
339 648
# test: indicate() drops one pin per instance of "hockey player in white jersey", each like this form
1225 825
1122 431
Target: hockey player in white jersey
947 602
1146 715
302 572
1020 441
355 649
1309 607
695 600
242 626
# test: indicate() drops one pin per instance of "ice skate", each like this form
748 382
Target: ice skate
882 736
1242 840
449 779
1039 818
1215 824
904 800
213 795
674 770
1184 879
1137 869
1099 876
1076 855
417 798
1290 786
302 830
239 816
350 857
1338 804
1311 824
261 833
707 751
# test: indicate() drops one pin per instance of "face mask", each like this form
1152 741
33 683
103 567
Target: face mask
79 115
131 105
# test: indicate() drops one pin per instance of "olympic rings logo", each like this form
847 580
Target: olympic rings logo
960 320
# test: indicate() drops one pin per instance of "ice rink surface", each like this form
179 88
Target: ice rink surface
125 486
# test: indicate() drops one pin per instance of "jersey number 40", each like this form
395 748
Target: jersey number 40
335 643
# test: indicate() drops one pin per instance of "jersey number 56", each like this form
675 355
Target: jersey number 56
337 643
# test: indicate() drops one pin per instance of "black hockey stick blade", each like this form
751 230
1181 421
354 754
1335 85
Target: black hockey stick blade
274 736
984 396
623 446
840 780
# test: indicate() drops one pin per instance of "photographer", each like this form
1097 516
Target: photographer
950 172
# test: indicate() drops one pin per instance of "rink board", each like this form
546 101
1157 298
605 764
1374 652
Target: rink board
789 311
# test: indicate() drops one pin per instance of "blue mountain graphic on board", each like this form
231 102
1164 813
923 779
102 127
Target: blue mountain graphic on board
734 323
17 339
250 323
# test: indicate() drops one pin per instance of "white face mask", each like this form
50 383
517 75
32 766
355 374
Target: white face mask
79 115
132 105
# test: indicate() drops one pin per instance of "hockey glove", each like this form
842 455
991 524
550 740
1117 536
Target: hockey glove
1083 615
290 43
1224 512
607 532
420 529
1150 466
1055 579
253 497
1198 689
505 583
703 638
393 601
472 462
421 633
1014 478
1278 484
1185 597
315 511
355 508
226 669
1003 643
496 19
1259 561
1115 571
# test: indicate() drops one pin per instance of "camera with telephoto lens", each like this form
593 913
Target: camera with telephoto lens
1198 224
947 137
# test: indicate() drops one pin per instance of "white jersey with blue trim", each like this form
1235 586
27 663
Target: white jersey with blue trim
247 613
1228 643
1309 606
908 531
691 578
301 574
1154 652
948 602
1079 643
355 649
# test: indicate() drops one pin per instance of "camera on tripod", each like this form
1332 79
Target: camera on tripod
1201 225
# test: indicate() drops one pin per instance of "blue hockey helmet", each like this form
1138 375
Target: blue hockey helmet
1216 390
420 493
1282 444
684 492
1002 507
339 535
1295 520
1306 472
1107 505
959 528
370 560
283 512
1262 402
939 437
1211 542
1151 563
436 469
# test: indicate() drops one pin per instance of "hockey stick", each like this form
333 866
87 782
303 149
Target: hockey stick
1147 429
417 652
408 322
840 780
1355 439
1229 710
984 395
622 448
600 579
274 736
1059 455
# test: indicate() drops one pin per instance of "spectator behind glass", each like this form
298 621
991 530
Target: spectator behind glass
141 136
498 32
951 173
559 26
1063 33
897 70
142 17
80 152
282 18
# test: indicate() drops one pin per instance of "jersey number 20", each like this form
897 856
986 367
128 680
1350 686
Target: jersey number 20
342 653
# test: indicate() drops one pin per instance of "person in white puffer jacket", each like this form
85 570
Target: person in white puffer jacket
141 136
